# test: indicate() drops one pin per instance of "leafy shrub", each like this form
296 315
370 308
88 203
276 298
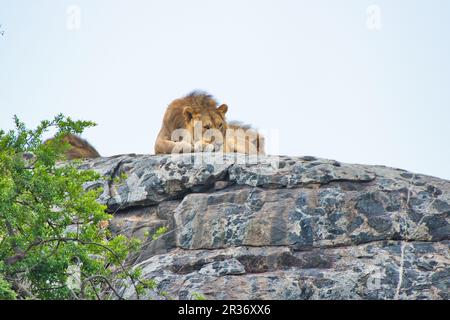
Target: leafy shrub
50 225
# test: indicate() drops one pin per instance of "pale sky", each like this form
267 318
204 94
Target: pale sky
313 70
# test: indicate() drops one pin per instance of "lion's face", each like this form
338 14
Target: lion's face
207 125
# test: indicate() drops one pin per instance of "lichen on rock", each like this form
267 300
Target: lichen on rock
281 227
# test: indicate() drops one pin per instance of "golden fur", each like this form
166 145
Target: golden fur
184 113
79 148
199 108
244 139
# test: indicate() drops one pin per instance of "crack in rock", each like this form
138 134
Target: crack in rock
281 227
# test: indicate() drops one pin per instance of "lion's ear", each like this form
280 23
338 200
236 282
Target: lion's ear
223 109
188 113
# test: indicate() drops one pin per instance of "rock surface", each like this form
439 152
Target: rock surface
281 227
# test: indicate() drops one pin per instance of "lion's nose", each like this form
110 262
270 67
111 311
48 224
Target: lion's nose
217 142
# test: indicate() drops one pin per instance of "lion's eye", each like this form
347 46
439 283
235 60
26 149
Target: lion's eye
207 127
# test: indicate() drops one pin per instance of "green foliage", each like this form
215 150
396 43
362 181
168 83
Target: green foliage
120 178
198 296
49 222
159 232
6 293
144 285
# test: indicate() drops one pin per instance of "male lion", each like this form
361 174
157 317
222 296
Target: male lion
79 148
196 123
243 138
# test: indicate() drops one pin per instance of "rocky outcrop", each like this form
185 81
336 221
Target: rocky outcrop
281 227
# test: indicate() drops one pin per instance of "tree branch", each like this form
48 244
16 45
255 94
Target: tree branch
96 277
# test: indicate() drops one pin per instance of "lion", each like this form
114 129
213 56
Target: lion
243 138
198 111
196 123
79 148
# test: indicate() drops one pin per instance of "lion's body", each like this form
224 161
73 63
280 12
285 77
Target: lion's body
79 148
201 109
245 139
182 114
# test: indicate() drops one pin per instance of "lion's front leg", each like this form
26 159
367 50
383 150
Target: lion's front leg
202 146
164 146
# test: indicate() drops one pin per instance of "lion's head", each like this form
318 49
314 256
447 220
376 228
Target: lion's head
205 121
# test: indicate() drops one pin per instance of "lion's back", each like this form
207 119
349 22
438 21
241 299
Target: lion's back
80 148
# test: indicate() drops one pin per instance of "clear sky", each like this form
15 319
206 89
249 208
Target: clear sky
333 85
